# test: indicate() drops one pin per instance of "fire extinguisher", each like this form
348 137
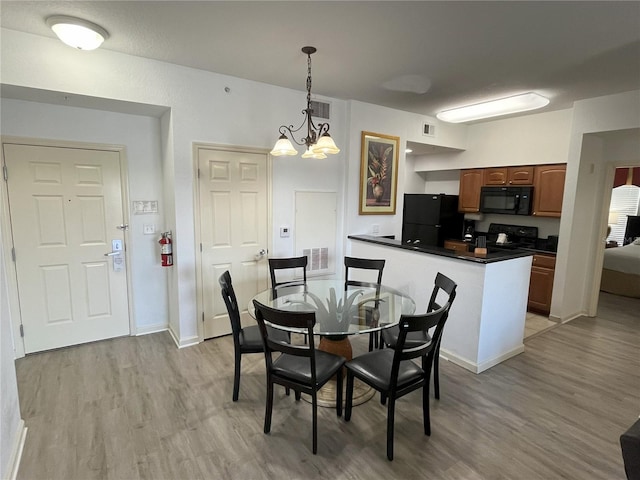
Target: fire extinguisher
166 251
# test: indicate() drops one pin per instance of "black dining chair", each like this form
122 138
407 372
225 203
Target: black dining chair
371 312
393 374
245 340
302 368
389 336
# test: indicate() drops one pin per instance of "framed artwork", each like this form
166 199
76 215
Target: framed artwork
378 174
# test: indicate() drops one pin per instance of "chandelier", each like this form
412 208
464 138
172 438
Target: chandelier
318 142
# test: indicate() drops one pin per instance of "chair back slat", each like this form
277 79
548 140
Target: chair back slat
231 302
276 264
363 264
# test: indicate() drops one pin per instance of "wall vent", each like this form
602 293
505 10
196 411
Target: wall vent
318 258
320 109
428 130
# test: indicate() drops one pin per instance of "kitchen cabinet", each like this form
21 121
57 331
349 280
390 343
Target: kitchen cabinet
471 182
456 245
548 190
509 175
541 283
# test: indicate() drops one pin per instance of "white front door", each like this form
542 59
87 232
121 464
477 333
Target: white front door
65 208
233 208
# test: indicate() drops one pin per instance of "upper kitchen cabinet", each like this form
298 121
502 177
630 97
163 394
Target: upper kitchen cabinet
509 175
471 182
548 190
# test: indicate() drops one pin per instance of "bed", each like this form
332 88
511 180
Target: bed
621 270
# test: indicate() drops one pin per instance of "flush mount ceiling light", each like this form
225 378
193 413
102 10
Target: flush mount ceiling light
494 108
77 33
318 141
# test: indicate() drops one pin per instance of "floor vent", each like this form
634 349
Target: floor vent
320 109
318 258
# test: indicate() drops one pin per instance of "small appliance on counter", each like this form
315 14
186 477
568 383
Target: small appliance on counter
552 243
469 231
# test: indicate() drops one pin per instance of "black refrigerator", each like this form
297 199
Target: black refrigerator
429 219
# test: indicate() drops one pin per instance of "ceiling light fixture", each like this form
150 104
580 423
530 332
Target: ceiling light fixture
494 108
77 33
318 141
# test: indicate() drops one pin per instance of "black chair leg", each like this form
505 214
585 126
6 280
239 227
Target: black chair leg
236 376
339 392
349 402
436 373
287 391
269 407
390 422
425 408
314 404
383 398
298 395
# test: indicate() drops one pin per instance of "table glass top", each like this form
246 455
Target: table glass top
358 309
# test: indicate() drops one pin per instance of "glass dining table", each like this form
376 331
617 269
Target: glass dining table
341 312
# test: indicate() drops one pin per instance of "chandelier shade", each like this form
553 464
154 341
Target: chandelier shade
283 147
318 142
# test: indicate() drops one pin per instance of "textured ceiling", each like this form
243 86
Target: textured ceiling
421 57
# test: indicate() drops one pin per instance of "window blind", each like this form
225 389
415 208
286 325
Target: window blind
625 200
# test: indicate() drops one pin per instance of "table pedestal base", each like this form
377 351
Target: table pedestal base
327 394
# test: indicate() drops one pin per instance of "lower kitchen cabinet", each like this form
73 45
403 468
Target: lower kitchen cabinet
541 283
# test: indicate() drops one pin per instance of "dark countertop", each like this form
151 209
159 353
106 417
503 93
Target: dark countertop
497 255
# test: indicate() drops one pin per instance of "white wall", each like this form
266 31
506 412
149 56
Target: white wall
407 126
605 134
140 135
249 114
541 138
10 420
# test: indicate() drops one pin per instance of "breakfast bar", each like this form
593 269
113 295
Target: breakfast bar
486 322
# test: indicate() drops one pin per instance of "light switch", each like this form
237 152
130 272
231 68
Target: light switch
284 232
149 229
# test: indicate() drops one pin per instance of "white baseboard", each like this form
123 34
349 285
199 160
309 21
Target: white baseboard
479 367
461 362
573 317
184 342
568 318
147 329
501 358
16 450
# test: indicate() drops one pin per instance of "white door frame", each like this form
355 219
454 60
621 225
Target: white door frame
197 218
7 235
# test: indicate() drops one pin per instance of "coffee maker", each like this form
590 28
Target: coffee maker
469 230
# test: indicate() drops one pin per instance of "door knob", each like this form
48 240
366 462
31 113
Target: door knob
262 253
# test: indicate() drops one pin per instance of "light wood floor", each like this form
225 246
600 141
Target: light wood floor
536 324
137 407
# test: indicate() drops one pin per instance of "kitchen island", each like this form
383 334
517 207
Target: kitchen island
486 322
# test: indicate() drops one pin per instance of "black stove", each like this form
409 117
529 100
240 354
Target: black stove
518 236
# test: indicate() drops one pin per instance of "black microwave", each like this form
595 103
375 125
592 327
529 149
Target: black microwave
509 200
